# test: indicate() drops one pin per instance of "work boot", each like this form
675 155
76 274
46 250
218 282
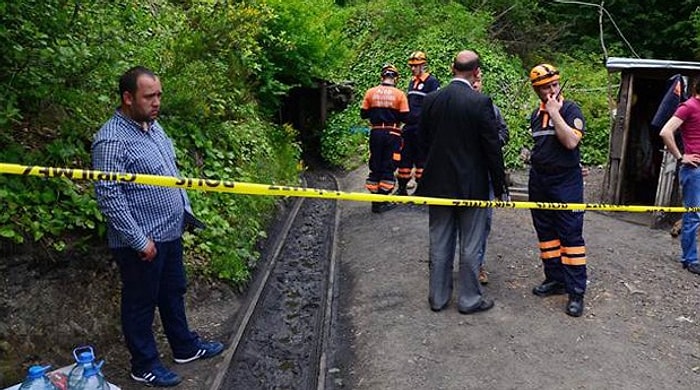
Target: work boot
403 187
384 207
549 287
574 307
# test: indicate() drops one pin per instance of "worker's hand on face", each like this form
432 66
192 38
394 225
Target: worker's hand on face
554 103
149 252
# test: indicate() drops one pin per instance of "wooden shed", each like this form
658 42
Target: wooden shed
639 171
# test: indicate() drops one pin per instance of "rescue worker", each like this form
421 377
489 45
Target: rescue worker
386 108
555 176
420 85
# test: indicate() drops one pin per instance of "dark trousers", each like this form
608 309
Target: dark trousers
385 153
560 233
411 154
146 285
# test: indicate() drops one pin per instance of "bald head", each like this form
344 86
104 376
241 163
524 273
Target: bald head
466 65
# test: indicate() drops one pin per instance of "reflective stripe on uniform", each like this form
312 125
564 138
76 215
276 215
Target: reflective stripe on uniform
550 249
542 133
419 93
386 185
573 255
372 186
404 173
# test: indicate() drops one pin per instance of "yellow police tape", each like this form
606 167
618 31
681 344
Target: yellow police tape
275 190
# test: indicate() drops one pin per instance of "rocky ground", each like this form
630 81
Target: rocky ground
639 330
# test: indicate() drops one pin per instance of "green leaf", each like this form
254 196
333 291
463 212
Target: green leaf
7 232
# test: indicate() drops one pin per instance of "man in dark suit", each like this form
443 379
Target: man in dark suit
460 135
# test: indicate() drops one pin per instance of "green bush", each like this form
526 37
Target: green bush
381 33
247 159
59 70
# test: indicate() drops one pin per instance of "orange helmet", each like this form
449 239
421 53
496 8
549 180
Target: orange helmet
389 70
543 74
417 58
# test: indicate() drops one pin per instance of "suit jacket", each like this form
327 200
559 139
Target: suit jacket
459 132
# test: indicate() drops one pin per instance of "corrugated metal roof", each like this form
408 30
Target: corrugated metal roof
615 64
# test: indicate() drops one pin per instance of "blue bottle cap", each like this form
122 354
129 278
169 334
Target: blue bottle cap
80 350
37 371
85 357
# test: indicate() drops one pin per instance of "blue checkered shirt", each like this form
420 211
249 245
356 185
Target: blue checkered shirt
137 212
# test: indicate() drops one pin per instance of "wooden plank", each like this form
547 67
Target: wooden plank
613 174
625 135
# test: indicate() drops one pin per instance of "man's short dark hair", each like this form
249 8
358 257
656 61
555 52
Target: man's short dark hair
127 82
466 66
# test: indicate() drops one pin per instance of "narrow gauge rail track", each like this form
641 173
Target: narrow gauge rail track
280 339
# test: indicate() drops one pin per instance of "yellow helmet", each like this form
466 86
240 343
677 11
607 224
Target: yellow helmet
389 70
417 58
543 74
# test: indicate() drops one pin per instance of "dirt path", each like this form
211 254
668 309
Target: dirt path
639 331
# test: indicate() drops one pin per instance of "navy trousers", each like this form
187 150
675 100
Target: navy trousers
146 285
560 232
385 152
411 154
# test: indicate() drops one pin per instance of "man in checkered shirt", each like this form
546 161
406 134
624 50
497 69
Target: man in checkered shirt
145 226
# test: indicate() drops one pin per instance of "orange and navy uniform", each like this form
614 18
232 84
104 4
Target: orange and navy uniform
555 176
411 153
386 108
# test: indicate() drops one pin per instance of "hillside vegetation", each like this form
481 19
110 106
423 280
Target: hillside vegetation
226 67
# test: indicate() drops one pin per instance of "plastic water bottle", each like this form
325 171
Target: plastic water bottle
92 378
37 380
84 357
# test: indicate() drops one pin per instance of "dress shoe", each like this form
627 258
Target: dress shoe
692 268
484 305
548 288
574 307
435 308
